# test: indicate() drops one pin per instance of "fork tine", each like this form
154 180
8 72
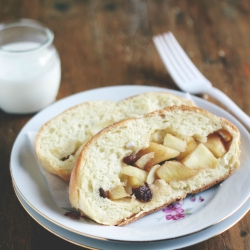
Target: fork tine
183 56
175 57
167 59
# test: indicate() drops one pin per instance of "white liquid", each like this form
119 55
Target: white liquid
20 46
29 81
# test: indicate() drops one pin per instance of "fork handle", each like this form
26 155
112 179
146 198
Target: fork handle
221 97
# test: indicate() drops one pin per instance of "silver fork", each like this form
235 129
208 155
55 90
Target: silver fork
188 78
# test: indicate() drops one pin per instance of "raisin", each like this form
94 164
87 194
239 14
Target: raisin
130 159
103 193
143 193
65 158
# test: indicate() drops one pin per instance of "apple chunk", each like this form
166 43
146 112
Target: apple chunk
117 192
225 135
144 160
191 145
134 182
152 174
200 158
135 172
174 142
215 145
175 171
161 153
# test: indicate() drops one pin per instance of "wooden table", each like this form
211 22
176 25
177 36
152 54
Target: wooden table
108 43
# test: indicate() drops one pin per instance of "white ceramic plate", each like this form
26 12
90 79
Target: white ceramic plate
219 203
162 245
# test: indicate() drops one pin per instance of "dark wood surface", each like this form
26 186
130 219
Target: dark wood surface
108 43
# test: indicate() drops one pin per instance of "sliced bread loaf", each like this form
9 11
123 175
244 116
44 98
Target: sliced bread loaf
61 139
137 166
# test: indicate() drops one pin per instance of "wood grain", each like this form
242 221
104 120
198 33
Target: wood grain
108 43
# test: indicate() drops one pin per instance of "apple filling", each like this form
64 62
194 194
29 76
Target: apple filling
174 159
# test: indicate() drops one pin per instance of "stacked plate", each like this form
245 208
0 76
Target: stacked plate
193 220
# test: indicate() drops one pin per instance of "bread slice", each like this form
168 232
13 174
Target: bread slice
116 180
60 140
139 105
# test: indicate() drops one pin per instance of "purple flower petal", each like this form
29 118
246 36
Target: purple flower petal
193 198
178 216
174 207
201 199
73 215
179 210
177 204
169 217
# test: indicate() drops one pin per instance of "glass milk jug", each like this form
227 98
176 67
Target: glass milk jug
30 70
